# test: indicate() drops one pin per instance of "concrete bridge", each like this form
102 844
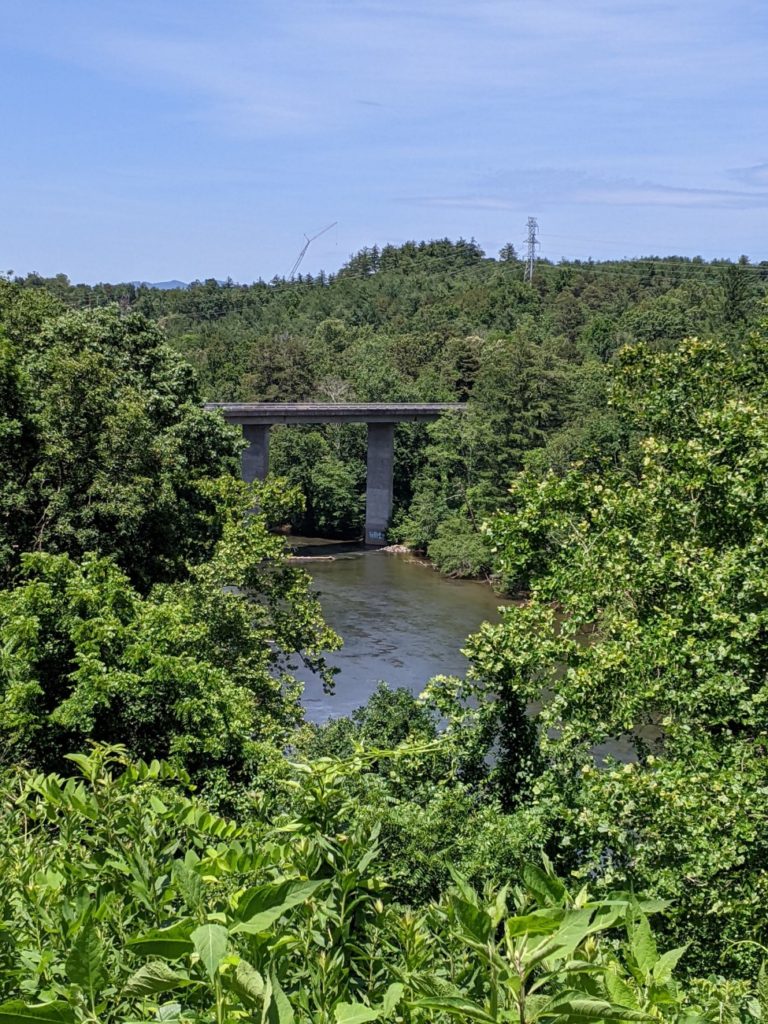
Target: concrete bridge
257 417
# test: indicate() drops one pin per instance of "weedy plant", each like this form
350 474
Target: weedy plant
125 899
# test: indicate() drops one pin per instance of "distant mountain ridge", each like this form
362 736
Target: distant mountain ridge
162 286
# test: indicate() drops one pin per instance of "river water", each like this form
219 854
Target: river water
400 620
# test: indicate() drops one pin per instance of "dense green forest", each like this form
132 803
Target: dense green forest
436 321
177 844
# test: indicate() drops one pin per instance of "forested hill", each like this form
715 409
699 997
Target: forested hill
437 321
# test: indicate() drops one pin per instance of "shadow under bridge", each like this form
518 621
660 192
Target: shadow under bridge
256 418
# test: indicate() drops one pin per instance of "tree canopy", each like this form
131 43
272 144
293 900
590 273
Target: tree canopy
433 321
104 443
646 624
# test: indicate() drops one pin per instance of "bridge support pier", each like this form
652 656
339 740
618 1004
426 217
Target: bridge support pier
255 458
256 418
378 493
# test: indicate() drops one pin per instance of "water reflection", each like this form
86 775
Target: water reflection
404 623
400 620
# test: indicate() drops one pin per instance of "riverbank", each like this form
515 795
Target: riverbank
314 549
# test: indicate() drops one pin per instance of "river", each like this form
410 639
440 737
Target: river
400 620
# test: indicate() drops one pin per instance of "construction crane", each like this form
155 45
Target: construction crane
307 244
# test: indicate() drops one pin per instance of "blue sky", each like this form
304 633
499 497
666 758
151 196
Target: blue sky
150 140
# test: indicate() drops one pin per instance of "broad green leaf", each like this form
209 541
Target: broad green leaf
366 859
534 1008
84 763
534 924
280 1010
17 1012
762 988
168 1011
576 1004
475 922
392 997
83 965
643 945
267 1000
619 991
169 943
653 906
354 1013
499 911
662 971
210 942
608 915
621 897
546 888
156 976
246 982
261 907
624 906
189 883
463 885
456 1005
571 933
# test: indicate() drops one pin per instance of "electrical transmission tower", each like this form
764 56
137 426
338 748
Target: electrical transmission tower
531 243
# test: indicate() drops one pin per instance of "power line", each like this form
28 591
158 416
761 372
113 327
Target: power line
625 265
584 265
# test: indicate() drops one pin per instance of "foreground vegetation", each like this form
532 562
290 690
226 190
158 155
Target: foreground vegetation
176 844
125 899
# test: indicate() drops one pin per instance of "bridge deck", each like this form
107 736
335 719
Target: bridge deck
267 413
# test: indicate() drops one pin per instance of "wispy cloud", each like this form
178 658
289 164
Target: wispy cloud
755 175
260 118
296 68
650 194
548 187
223 85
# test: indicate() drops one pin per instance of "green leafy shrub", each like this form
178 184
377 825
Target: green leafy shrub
388 718
647 626
198 672
124 898
459 550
